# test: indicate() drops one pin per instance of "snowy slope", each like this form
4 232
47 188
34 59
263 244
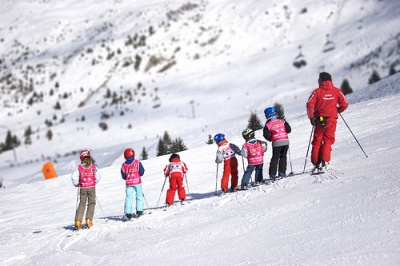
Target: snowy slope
233 58
348 218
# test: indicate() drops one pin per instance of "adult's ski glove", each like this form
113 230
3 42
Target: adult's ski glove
312 121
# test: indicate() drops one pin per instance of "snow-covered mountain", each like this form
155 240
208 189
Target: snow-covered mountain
180 67
195 69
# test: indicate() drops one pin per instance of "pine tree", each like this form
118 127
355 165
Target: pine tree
374 77
345 87
392 70
49 134
166 138
57 106
254 122
210 140
144 155
280 112
177 145
10 142
27 135
161 148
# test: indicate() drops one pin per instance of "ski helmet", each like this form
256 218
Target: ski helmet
248 133
129 153
84 154
270 112
173 156
219 137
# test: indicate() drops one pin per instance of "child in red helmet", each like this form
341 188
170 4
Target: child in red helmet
85 177
131 171
175 170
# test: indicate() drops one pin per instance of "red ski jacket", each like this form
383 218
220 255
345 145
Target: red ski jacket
326 100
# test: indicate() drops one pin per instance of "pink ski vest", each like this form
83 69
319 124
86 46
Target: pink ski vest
86 176
277 129
132 173
255 153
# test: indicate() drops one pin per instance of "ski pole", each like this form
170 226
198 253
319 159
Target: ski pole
353 135
290 160
147 205
187 184
251 177
309 142
77 197
216 181
158 202
98 202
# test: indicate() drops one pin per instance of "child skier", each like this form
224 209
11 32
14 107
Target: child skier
131 171
276 130
226 153
85 177
175 170
253 149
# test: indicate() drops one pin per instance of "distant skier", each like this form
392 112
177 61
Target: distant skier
276 130
253 149
85 177
226 153
323 107
131 171
175 170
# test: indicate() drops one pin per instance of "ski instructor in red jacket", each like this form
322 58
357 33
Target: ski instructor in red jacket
323 107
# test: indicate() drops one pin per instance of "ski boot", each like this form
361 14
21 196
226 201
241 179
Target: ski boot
78 225
89 223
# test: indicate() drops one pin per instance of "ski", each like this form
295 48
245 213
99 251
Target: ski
72 233
77 231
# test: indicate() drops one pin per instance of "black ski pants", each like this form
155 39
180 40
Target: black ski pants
278 160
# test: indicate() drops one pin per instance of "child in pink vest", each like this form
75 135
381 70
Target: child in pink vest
131 171
86 176
175 170
253 150
276 130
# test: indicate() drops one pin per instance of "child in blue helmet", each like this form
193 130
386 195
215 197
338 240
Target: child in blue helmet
226 154
276 130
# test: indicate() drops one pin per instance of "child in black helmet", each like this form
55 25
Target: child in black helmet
175 170
253 150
